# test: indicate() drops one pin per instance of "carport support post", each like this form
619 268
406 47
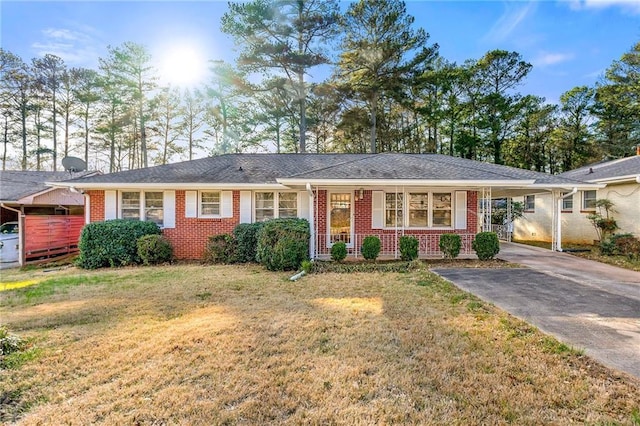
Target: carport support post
557 246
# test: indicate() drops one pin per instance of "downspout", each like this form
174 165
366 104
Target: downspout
559 219
312 229
638 179
20 232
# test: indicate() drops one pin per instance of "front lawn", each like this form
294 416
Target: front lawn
190 344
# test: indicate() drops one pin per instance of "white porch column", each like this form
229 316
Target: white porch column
485 209
312 227
557 244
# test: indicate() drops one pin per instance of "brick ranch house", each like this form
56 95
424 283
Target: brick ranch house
345 197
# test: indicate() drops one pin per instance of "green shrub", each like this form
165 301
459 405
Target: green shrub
220 249
408 247
338 251
283 244
113 242
622 245
370 247
450 245
486 245
154 249
246 236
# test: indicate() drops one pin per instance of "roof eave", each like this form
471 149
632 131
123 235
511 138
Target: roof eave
617 179
163 185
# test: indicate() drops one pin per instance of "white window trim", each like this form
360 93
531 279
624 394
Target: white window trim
210 216
564 200
406 210
526 210
142 208
276 203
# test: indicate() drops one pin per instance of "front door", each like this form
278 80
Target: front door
340 218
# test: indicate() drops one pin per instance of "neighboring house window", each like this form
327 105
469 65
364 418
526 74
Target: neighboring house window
441 214
589 200
266 202
529 203
210 203
567 203
131 205
133 202
419 210
393 210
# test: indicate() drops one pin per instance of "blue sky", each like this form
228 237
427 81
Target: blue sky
569 42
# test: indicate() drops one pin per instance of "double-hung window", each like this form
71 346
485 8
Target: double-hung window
529 203
210 203
142 205
393 209
589 200
270 205
418 210
441 212
567 203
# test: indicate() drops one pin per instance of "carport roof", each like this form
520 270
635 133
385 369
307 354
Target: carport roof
18 184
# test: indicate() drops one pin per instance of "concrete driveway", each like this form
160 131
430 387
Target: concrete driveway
585 304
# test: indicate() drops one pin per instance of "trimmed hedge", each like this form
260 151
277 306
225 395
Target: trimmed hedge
113 242
283 244
246 236
408 247
486 245
220 249
370 247
450 245
154 249
338 251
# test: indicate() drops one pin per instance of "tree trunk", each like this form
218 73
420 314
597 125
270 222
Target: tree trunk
374 114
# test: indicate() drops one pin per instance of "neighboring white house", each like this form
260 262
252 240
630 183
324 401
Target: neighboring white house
622 180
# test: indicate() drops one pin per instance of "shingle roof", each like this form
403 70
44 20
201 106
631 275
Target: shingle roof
17 184
267 168
628 166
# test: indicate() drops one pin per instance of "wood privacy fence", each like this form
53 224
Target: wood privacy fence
51 236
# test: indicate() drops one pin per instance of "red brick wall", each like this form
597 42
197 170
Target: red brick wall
189 237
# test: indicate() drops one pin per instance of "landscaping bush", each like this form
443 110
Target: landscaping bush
338 251
450 245
622 245
486 245
113 242
154 249
220 249
408 247
9 342
370 247
246 236
283 244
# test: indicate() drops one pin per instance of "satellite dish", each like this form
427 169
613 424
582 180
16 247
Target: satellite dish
74 164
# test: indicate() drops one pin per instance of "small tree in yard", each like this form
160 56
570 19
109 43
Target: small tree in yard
604 224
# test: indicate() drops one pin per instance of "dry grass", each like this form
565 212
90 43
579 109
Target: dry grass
239 345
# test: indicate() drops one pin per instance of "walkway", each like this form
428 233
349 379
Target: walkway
583 303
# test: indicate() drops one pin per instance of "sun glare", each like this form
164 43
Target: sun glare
183 65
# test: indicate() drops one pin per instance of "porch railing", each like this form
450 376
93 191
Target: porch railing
390 244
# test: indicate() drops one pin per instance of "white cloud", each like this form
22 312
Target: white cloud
549 58
76 48
628 6
514 14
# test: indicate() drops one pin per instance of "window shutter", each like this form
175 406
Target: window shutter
169 207
190 203
461 210
303 205
87 209
110 205
245 207
377 209
226 201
